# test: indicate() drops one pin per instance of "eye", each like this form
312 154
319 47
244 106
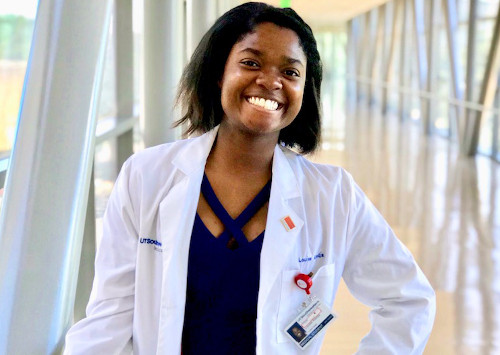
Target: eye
250 63
292 72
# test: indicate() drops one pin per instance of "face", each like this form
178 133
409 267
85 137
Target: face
263 81
297 332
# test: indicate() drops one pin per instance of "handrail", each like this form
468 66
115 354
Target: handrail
424 94
107 128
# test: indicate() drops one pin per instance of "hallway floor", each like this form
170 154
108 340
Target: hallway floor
445 208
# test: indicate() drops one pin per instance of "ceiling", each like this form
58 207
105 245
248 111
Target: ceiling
329 13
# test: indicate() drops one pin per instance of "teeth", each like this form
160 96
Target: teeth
267 104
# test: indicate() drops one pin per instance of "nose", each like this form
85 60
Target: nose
271 81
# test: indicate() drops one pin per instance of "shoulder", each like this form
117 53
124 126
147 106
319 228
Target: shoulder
154 169
147 176
160 156
319 175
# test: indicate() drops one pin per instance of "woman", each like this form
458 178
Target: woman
203 237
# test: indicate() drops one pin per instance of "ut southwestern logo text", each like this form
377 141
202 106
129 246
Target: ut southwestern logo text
157 244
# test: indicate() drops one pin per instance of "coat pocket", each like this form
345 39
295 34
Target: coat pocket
291 297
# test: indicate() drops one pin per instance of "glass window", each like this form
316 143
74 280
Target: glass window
443 84
486 133
463 10
487 9
17 20
486 13
394 70
332 48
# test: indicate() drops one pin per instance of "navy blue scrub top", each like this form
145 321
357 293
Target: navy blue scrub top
223 282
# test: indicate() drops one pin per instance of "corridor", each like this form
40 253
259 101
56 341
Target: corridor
445 209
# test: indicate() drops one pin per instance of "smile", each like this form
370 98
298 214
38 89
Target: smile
270 105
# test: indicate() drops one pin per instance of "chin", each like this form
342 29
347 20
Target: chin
265 125
262 129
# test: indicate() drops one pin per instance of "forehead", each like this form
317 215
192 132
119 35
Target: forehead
274 39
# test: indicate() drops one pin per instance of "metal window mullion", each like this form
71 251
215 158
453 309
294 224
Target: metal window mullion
360 54
496 123
432 43
468 127
378 52
402 60
360 40
451 20
390 60
43 213
124 68
370 64
419 31
488 87
365 55
86 270
367 58
351 65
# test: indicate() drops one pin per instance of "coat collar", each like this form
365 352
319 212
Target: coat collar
195 153
283 175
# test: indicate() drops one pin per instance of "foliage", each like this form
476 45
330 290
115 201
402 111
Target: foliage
15 37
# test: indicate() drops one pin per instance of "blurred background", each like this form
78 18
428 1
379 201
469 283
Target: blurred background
411 108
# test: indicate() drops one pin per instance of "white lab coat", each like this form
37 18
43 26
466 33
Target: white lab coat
139 288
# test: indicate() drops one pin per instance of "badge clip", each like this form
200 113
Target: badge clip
304 282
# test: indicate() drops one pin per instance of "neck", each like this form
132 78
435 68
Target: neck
241 154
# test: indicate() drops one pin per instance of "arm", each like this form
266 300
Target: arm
381 272
108 326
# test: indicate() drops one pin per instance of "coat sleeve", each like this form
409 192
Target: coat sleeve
107 329
381 272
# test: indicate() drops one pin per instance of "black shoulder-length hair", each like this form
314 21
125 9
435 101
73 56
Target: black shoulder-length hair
199 93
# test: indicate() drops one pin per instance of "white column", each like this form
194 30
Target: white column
225 5
43 214
163 62
200 16
466 127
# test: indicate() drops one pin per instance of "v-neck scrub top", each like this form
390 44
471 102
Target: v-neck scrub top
223 283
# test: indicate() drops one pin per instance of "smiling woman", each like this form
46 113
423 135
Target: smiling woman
209 243
200 87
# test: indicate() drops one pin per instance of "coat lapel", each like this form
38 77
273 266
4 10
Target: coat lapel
279 241
177 212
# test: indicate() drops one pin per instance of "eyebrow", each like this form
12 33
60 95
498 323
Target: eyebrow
289 60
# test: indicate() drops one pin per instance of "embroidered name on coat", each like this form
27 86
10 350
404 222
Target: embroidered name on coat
309 258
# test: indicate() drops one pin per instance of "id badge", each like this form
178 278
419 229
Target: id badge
313 318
